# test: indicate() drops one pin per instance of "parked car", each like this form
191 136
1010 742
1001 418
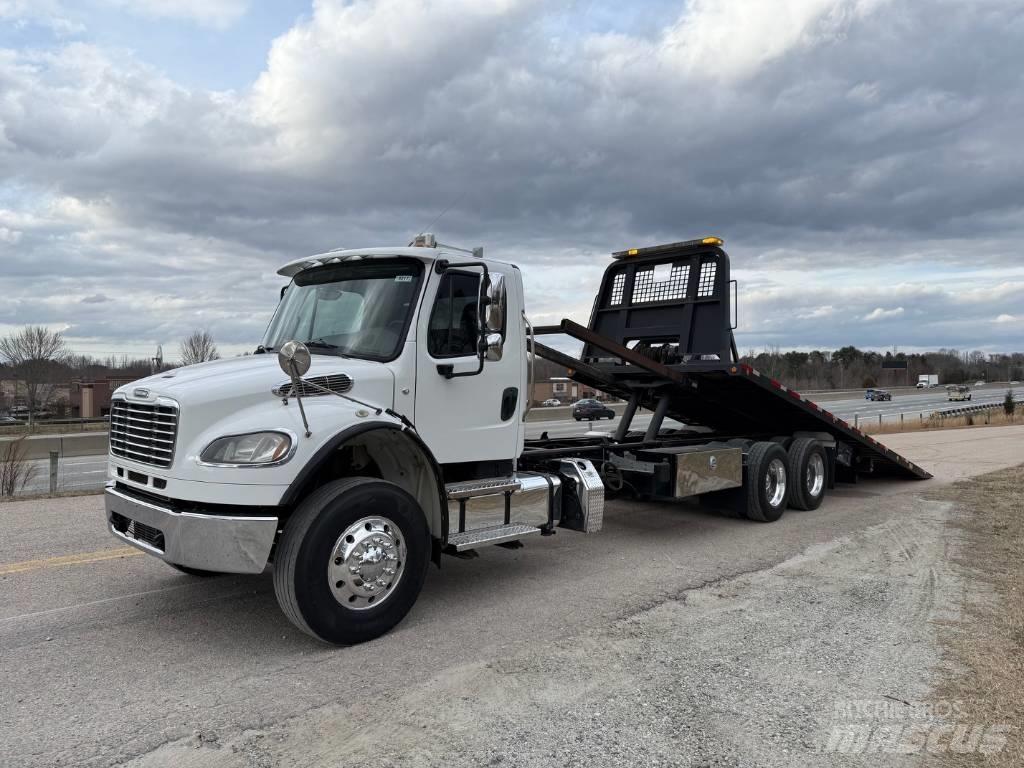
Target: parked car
10 420
591 409
551 402
979 383
881 394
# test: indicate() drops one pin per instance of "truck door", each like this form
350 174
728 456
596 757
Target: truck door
472 417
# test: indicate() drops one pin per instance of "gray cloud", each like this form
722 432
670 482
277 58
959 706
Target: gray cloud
860 146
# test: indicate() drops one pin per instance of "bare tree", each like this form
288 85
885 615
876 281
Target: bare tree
34 354
198 347
16 471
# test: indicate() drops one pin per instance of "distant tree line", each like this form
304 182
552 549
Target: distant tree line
851 368
39 361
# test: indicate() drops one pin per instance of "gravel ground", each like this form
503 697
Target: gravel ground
983 650
748 670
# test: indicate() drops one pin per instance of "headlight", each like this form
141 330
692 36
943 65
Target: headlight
246 450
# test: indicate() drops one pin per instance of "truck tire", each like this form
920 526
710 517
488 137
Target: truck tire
767 486
808 473
352 560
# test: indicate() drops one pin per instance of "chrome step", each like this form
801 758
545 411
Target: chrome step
496 534
488 487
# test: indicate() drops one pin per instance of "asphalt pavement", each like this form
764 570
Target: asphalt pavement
676 637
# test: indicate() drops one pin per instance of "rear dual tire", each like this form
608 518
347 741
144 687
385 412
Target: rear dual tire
807 468
767 486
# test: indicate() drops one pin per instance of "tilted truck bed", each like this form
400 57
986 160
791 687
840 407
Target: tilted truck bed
661 333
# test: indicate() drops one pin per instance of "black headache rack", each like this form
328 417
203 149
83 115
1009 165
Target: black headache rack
660 337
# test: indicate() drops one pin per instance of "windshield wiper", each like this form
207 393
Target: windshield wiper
321 344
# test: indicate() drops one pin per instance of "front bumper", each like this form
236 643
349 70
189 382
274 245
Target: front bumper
208 542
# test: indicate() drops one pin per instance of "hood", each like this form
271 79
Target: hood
236 383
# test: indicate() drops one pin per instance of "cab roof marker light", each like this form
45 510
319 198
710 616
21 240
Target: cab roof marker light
667 247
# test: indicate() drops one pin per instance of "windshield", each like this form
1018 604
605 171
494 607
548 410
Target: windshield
354 310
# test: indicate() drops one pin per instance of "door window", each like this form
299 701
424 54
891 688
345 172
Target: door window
454 329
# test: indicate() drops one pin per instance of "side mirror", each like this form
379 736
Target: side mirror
495 303
493 344
294 359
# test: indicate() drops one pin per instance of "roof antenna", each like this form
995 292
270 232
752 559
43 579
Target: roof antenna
437 218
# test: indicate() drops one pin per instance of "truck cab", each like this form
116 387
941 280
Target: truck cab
207 463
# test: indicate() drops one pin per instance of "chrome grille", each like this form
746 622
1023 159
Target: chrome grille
143 432
335 382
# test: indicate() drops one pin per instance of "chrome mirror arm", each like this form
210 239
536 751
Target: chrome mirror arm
296 390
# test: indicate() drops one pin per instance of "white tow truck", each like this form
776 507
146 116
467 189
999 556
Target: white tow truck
380 427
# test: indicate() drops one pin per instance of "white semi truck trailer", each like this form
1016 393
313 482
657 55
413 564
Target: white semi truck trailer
380 427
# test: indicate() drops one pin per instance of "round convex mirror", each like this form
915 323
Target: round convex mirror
294 359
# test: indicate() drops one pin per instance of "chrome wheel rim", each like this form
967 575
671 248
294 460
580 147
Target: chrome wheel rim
775 482
815 479
367 562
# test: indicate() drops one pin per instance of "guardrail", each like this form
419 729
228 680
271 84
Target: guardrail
52 426
964 410
921 416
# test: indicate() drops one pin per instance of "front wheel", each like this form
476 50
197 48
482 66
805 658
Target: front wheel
352 560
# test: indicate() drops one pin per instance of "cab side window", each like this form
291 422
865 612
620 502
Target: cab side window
454 329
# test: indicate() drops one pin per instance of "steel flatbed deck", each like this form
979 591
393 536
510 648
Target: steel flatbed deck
660 337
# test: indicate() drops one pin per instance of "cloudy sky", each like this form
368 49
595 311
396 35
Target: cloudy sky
863 159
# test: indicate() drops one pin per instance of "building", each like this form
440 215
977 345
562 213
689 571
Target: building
52 398
565 389
90 398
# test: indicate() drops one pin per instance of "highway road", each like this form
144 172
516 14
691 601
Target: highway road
559 423
675 636
73 473
88 471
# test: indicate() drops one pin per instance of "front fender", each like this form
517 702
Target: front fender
435 506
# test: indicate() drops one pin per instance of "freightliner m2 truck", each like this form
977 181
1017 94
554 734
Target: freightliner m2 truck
380 427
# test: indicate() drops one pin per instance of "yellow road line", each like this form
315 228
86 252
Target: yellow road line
79 559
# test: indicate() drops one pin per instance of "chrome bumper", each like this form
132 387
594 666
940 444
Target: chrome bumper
208 542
